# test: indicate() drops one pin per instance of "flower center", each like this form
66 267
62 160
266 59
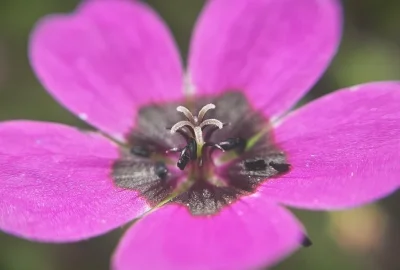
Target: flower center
181 164
192 131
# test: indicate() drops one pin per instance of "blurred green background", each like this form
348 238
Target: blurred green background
364 238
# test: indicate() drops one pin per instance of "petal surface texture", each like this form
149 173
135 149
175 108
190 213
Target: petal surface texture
272 50
106 60
55 183
247 234
344 149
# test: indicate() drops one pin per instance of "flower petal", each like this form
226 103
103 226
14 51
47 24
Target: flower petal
55 183
106 60
344 149
273 50
247 234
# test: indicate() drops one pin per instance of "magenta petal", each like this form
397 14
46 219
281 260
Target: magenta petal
247 234
55 183
344 149
106 60
273 50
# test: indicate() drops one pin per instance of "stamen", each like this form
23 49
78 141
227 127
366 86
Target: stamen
187 114
180 125
204 110
255 165
195 140
141 151
188 153
161 170
214 122
280 167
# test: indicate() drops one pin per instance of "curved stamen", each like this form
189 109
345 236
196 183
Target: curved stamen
180 125
204 110
187 114
213 122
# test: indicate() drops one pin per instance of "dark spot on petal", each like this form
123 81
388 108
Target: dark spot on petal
306 242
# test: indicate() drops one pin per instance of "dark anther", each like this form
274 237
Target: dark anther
192 145
161 170
306 242
255 165
141 151
280 167
239 144
188 153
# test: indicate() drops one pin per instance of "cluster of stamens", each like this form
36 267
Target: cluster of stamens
192 130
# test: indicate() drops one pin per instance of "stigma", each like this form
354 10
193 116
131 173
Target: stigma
192 130
196 124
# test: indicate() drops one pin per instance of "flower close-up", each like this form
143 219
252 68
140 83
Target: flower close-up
203 157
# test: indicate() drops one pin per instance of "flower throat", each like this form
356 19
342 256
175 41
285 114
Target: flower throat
179 164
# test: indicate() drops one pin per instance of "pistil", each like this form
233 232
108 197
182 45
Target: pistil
192 130
196 124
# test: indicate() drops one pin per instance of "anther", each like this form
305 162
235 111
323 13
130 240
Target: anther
188 153
141 151
255 165
280 167
161 170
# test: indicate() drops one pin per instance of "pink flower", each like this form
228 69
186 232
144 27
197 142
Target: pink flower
114 64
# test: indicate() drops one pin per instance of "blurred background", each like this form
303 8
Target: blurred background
364 238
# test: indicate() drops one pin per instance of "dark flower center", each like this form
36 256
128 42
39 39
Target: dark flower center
203 161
